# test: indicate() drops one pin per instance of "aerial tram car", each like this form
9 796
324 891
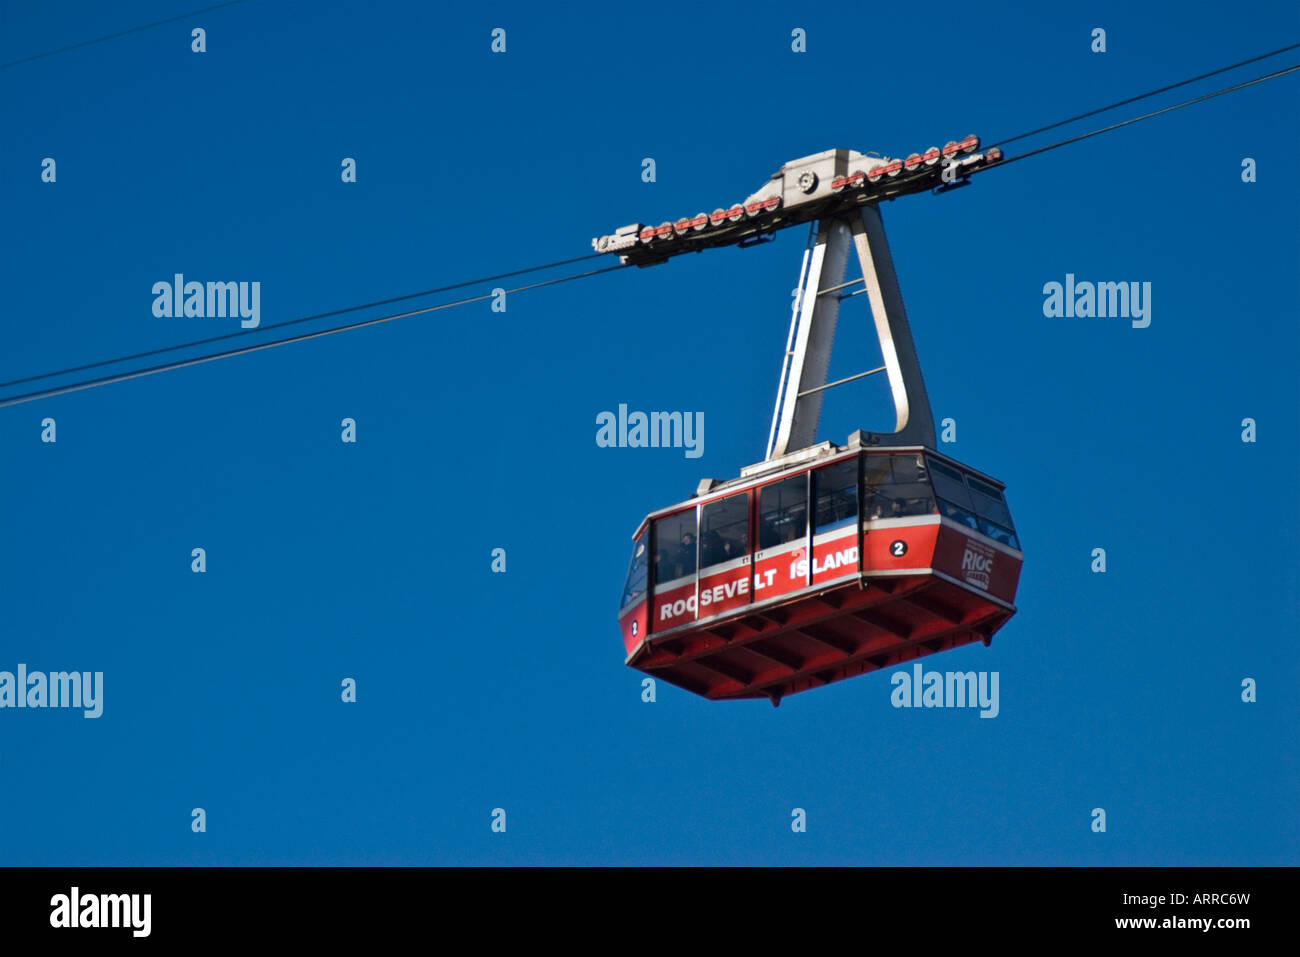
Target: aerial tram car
823 561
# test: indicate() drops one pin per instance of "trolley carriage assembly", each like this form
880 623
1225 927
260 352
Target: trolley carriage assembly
823 561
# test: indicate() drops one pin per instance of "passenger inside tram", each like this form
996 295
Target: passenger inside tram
724 530
713 548
783 512
684 563
889 505
663 567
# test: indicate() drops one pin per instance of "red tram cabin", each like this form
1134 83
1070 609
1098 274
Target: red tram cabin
789 578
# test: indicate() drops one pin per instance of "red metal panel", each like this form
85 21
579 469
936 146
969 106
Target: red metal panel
674 607
879 545
779 570
632 624
977 563
723 591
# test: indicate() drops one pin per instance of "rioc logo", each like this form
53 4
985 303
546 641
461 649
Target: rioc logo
977 565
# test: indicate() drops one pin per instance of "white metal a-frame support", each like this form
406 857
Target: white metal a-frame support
812 335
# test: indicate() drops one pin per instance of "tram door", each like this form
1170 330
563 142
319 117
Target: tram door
835 521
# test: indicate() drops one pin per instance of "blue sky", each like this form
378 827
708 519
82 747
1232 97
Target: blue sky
476 430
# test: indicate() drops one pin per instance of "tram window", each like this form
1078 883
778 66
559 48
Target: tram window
988 502
998 533
949 485
836 491
958 514
636 572
783 508
908 469
674 543
878 471
724 530
954 497
897 486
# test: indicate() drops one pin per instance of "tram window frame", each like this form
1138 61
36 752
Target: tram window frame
797 483
689 515
739 505
640 550
838 494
